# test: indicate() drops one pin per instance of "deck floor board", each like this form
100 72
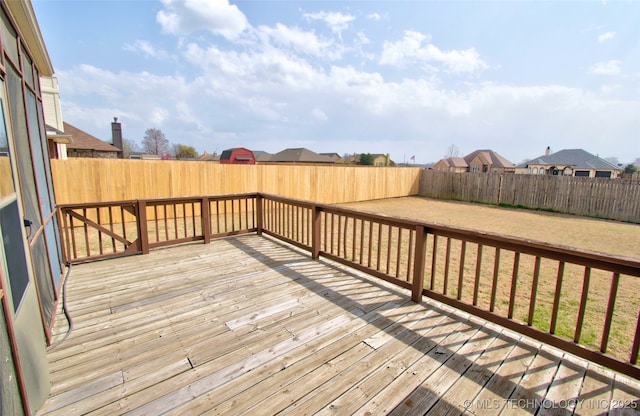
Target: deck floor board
250 325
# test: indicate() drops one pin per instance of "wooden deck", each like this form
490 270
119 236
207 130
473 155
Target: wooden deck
249 325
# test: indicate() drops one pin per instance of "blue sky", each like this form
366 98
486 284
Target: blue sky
400 77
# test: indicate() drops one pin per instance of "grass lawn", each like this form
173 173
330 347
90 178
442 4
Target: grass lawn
585 233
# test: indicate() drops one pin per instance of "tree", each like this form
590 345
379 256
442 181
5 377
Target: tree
366 159
452 151
630 168
182 151
155 143
128 146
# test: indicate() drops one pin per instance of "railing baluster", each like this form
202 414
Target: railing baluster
113 240
124 227
398 249
447 260
514 282
354 239
476 283
534 290
636 343
175 219
155 213
389 230
556 298
463 253
370 244
379 246
73 238
166 223
583 304
434 262
233 216
411 232
100 249
494 282
613 292
86 233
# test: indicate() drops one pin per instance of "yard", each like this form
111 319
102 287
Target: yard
609 237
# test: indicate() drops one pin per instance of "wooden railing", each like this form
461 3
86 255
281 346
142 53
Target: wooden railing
582 302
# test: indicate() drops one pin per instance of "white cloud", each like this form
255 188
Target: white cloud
611 67
300 41
337 22
606 36
145 48
319 115
217 16
374 16
414 48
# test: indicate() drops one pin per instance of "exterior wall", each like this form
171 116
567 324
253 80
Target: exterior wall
240 156
564 171
91 153
382 160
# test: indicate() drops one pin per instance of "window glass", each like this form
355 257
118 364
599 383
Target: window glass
6 176
14 252
54 254
9 38
27 181
38 155
27 68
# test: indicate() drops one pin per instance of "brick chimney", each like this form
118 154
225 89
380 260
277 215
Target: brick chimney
116 135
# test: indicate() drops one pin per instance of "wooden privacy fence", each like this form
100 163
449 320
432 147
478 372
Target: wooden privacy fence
615 199
84 180
580 301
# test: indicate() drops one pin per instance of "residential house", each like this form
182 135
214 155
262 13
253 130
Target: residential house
570 162
334 156
451 164
57 138
488 161
300 155
478 161
237 156
208 157
86 145
31 265
262 156
382 160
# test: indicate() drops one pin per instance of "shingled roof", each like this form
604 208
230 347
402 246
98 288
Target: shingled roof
84 141
490 158
300 155
576 158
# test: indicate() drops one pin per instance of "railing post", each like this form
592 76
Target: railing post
418 264
143 230
315 232
206 220
259 214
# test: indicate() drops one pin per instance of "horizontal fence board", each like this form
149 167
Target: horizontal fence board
85 180
616 199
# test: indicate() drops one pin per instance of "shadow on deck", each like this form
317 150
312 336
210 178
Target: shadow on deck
252 325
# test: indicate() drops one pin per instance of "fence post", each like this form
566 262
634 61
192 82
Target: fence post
259 214
143 229
418 264
315 232
206 220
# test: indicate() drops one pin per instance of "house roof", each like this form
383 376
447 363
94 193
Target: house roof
262 156
576 158
456 162
301 155
226 154
84 141
490 158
